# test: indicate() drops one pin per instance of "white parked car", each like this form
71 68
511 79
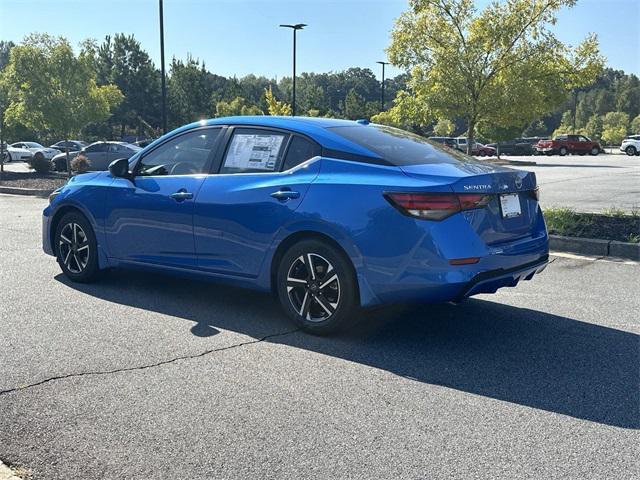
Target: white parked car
37 149
11 153
631 145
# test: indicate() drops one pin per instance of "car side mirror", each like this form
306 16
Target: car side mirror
120 168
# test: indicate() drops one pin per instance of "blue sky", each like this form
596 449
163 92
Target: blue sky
237 37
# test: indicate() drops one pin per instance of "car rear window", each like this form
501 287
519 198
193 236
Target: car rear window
399 147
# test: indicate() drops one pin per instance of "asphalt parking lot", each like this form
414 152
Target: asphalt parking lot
587 183
143 377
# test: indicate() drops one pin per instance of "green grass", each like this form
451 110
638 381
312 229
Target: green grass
612 224
566 221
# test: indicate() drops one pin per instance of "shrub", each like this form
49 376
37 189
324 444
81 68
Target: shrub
80 164
39 163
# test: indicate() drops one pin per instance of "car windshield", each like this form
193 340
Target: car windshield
399 147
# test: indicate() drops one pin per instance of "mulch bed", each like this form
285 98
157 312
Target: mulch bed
623 228
42 181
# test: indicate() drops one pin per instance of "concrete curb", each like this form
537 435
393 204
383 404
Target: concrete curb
25 191
595 247
6 473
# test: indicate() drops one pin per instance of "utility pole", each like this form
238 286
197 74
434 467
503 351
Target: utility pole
382 86
295 28
164 79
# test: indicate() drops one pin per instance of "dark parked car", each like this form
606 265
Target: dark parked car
517 146
74 145
446 141
100 154
574 144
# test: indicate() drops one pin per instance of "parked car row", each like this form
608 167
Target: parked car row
100 155
27 150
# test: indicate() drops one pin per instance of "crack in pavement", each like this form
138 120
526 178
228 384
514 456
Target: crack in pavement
151 365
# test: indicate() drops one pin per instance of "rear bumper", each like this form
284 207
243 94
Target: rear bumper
492 280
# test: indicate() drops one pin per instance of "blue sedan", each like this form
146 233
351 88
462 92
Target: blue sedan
330 215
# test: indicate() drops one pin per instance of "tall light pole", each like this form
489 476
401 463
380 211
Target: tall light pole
295 28
164 78
382 86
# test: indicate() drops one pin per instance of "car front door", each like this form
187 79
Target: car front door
261 180
97 155
149 219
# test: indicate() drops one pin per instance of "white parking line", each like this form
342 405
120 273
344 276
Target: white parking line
593 259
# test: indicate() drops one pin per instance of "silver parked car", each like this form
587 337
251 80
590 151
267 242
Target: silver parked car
100 155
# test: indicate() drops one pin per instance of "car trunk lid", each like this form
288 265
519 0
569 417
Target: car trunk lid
511 212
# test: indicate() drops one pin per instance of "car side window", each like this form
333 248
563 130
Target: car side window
582 139
98 147
254 151
300 150
186 154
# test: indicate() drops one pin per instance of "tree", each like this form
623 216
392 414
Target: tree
237 106
502 66
5 50
537 128
123 62
614 127
443 128
593 128
51 89
275 106
566 125
189 90
635 125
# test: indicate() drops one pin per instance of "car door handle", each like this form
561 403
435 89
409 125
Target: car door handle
285 194
181 195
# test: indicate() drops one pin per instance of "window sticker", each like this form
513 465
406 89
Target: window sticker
253 152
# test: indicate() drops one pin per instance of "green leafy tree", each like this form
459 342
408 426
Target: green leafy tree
237 106
501 66
407 112
635 125
593 128
614 127
275 106
51 89
566 125
444 128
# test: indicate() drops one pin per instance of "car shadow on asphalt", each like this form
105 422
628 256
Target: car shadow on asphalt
513 354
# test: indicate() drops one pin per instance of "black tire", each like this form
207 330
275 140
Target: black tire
7 158
38 156
316 309
76 248
562 152
631 150
595 151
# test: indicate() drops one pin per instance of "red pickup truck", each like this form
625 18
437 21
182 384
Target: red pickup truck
563 144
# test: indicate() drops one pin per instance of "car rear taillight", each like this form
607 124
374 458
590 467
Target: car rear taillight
436 206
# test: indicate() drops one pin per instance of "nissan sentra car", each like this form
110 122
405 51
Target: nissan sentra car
330 215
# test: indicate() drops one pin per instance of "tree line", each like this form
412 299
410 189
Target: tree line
193 92
493 74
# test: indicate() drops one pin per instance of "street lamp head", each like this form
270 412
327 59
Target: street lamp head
297 26
383 63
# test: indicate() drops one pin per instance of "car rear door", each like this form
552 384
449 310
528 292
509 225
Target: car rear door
262 177
149 219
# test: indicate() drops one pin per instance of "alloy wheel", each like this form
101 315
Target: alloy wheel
73 246
313 287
